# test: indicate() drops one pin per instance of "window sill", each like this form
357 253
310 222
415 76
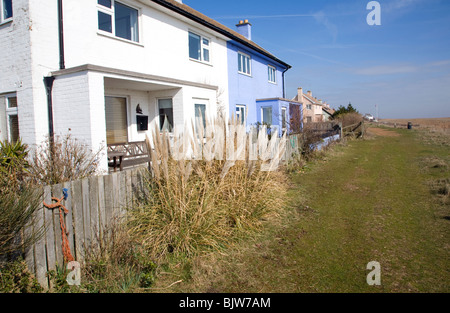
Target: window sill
201 62
273 83
245 74
111 36
5 22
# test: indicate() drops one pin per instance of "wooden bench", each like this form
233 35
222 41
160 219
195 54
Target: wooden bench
126 155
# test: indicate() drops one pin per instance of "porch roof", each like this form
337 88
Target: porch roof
114 73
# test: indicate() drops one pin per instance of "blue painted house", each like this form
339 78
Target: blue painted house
256 85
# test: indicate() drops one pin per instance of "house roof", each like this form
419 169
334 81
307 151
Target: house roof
198 17
328 111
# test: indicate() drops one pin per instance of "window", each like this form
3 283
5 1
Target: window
116 120
240 113
244 64
266 114
200 113
199 48
6 10
12 118
118 19
272 72
165 107
283 118
308 107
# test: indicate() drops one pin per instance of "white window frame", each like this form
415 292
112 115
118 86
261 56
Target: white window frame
127 109
244 57
262 115
203 47
11 112
2 18
284 115
111 12
158 118
240 107
272 74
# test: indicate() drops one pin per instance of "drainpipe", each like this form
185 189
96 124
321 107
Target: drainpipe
61 35
284 91
48 81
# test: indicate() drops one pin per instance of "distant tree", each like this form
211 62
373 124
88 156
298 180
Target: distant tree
344 110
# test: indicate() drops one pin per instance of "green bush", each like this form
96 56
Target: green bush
16 278
13 165
16 211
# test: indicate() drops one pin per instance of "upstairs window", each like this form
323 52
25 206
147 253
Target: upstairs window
118 19
244 64
199 47
272 73
6 10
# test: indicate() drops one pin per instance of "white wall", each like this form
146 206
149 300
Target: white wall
29 51
162 50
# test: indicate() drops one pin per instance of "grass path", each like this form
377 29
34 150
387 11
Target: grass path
367 201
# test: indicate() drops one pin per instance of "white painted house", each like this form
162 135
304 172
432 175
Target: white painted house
99 69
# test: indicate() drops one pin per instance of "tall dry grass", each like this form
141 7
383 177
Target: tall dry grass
194 204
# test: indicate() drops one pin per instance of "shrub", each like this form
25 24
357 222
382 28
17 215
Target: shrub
13 165
117 263
66 160
348 119
16 211
16 278
198 205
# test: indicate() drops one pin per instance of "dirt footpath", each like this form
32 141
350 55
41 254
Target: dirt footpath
382 132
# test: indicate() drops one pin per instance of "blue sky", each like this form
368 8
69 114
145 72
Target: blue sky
403 65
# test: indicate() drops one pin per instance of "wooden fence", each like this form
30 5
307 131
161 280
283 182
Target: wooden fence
323 132
356 130
93 204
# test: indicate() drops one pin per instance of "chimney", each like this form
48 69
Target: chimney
300 94
245 29
309 93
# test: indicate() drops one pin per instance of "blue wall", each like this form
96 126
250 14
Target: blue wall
245 90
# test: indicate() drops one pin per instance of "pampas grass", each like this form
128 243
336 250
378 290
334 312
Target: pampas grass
201 197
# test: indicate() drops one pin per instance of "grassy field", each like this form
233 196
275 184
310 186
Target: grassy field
384 199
